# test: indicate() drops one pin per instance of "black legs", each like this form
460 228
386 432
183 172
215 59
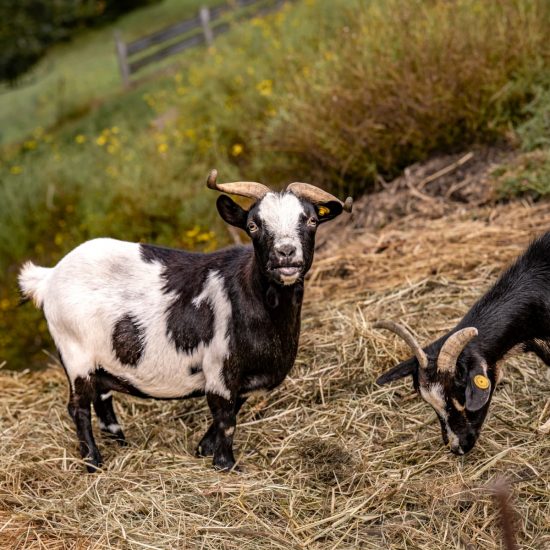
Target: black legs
79 407
84 393
218 440
92 390
103 406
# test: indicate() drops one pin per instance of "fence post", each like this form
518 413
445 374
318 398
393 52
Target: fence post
204 16
122 59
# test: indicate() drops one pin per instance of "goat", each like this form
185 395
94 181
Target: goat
457 373
164 323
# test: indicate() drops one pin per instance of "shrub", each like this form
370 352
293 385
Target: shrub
406 78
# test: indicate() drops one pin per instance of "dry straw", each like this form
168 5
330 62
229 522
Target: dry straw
329 459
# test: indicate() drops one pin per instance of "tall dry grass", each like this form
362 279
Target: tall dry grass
408 78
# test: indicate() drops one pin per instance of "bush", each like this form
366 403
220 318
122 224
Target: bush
409 78
321 91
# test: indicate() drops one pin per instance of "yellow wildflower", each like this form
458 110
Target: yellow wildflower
15 170
80 138
115 130
237 149
101 140
193 232
162 148
265 87
58 240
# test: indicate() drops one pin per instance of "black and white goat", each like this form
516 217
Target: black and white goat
164 323
457 373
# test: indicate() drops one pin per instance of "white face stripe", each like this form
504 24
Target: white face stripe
433 394
280 214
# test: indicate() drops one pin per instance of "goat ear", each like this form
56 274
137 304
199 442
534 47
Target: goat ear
328 210
231 212
406 368
478 390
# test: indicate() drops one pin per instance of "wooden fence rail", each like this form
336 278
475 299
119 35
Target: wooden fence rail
202 29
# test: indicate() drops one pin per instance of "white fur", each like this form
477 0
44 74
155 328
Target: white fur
97 283
33 281
280 214
433 394
113 428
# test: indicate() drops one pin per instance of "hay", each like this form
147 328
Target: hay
330 460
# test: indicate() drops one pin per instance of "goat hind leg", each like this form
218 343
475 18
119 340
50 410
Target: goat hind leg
108 422
82 391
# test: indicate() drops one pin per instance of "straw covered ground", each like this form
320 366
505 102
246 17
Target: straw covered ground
329 459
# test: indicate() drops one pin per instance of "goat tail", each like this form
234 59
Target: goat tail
32 282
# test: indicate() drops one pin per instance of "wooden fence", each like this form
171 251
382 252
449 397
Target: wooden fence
199 30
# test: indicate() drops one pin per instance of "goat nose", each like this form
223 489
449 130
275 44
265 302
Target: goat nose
286 251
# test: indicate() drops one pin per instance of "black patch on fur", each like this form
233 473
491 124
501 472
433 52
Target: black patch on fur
128 340
195 369
152 253
185 275
189 325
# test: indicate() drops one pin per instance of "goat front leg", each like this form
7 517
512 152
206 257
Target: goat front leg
80 400
220 434
208 442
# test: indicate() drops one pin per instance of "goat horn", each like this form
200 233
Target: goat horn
452 348
406 334
251 189
316 195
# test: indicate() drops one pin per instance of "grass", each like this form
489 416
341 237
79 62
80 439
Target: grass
260 105
330 460
76 75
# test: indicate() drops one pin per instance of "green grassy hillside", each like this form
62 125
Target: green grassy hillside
332 92
77 75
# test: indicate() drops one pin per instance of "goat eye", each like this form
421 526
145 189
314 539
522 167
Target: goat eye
312 222
252 227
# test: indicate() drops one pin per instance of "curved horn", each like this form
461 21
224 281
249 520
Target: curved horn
404 333
452 348
249 189
317 195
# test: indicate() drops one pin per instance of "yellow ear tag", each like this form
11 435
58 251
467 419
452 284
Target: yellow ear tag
323 210
482 382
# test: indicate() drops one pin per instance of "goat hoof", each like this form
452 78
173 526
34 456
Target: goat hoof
119 437
93 463
205 448
225 465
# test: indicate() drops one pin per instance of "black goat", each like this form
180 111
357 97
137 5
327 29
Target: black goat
457 373
164 323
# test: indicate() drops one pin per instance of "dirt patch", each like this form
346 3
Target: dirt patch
431 189
327 460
